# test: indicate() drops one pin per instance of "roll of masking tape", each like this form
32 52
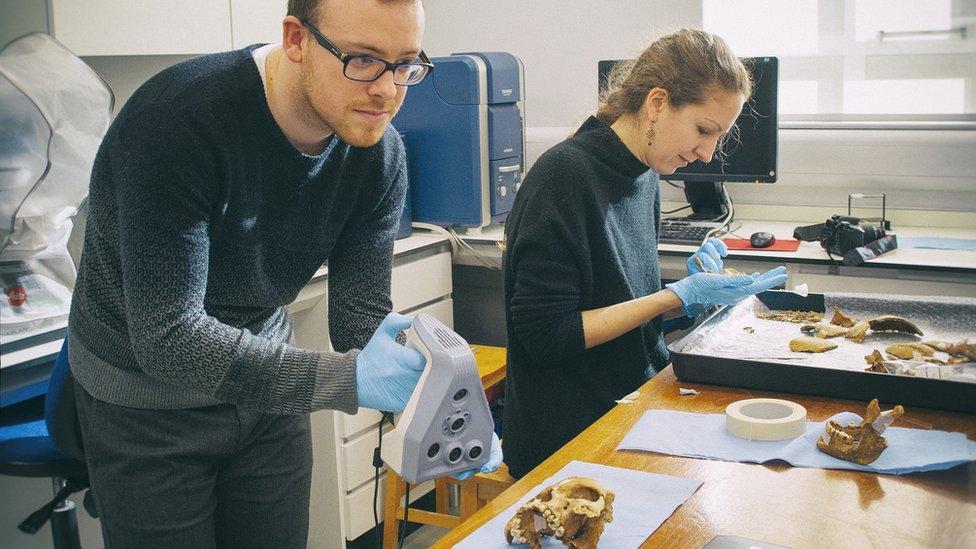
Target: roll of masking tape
765 419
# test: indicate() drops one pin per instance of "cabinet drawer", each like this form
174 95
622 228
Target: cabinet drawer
310 296
442 310
358 506
366 418
357 459
421 280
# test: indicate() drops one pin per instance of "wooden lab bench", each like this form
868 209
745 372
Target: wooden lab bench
774 502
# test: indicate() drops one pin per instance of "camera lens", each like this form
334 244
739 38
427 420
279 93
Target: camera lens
454 455
457 424
460 394
432 451
474 452
872 233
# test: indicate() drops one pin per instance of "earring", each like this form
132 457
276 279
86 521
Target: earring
650 135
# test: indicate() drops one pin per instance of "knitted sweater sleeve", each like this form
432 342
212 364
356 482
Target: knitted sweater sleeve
166 190
360 266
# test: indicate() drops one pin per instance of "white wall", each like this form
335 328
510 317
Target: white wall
19 17
559 42
126 73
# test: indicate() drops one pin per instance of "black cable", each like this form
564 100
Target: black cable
406 509
377 463
675 211
731 213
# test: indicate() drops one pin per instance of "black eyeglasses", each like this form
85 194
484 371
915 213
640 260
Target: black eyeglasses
366 68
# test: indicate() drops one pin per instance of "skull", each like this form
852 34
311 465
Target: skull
573 510
859 443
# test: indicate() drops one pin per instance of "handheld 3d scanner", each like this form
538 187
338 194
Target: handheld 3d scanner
446 427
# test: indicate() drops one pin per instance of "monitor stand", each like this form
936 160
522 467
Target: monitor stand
707 200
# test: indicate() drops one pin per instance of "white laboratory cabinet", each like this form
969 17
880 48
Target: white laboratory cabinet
176 27
342 475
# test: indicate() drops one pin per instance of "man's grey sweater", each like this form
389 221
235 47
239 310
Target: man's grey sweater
203 222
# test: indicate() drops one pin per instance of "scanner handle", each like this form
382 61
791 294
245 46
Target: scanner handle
414 341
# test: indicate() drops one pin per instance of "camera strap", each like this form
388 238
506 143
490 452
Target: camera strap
871 250
809 233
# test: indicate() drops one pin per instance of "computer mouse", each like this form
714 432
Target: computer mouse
762 240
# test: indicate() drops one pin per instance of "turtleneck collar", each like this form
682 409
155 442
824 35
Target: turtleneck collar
600 139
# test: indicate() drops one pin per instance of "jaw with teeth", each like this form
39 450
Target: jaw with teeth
859 443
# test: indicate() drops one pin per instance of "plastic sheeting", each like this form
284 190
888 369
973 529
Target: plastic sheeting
54 111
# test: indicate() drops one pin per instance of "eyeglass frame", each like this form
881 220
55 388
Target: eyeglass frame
345 57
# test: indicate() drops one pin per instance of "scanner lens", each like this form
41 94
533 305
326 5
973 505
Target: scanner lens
474 452
432 451
457 425
454 455
460 394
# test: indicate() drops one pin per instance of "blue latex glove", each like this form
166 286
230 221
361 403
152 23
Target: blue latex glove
706 289
386 371
494 461
710 254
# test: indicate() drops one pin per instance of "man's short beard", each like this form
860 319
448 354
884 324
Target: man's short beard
348 135
307 84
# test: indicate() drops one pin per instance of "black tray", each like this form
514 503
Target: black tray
773 376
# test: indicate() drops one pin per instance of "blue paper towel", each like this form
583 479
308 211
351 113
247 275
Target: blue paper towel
704 436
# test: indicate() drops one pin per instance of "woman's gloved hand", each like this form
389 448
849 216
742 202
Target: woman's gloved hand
709 255
494 461
386 371
706 289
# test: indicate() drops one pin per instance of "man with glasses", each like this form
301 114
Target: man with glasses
224 183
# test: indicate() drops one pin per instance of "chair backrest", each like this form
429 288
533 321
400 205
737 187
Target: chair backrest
60 413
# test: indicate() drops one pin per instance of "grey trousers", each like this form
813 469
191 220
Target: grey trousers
218 476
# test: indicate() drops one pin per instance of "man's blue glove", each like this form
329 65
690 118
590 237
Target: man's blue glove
705 289
710 255
387 372
494 461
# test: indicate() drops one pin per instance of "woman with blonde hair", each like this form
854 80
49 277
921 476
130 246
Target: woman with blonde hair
583 294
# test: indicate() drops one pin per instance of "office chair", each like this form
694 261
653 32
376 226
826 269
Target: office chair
38 441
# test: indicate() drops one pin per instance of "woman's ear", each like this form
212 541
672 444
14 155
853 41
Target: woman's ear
655 102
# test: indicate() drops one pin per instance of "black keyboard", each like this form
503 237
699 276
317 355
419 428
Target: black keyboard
689 233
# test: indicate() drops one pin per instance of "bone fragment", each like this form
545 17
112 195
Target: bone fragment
797 317
574 511
963 349
811 345
859 443
840 319
875 362
857 332
942 346
890 323
907 351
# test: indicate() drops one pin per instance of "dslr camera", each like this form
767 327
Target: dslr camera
842 233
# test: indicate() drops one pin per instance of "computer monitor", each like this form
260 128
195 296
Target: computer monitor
748 156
